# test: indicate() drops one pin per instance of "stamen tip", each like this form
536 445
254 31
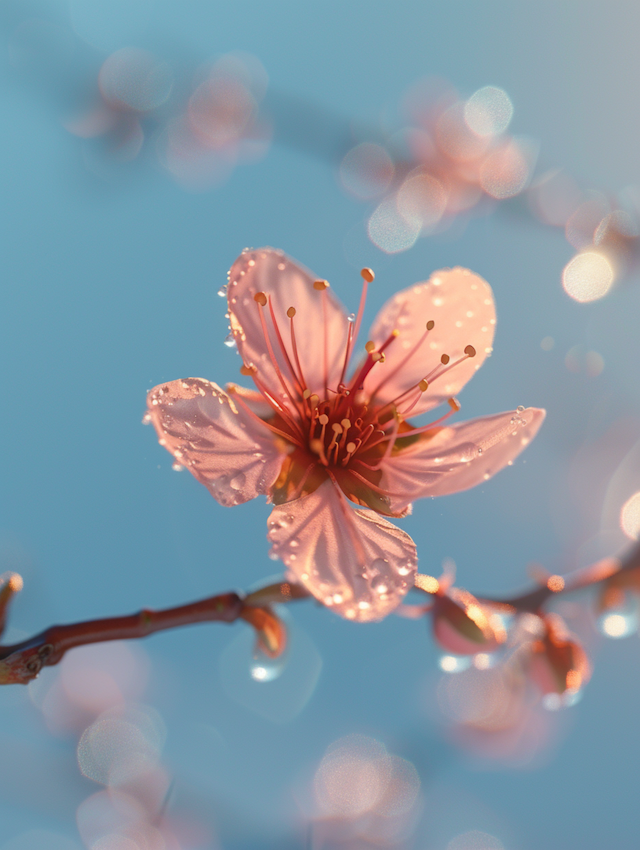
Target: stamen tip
306 394
470 351
368 275
260 298
323 419
424 385
454 404
248 370
321 285
430 325
291 312
370 346
445 359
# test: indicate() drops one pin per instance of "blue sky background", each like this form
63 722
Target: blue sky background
109 287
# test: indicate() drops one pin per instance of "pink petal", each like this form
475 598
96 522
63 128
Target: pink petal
286 284
222 445
353 561
461 305
459 457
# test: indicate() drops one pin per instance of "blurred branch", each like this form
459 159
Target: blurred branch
613 573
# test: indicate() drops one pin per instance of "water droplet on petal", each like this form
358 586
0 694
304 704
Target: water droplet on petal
351 318
222 292
229 340
238 481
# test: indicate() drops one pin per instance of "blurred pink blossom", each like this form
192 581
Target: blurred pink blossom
312 439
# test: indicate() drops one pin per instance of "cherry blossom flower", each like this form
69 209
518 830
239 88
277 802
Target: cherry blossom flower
315 435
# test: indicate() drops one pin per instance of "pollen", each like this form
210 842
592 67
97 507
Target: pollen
291 312
470 351
430 325
368 275
445 359
321 285
260 298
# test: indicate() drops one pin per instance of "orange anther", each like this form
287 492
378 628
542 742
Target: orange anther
368 275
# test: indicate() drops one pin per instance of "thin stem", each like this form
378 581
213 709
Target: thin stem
21 662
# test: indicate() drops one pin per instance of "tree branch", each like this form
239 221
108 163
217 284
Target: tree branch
21 662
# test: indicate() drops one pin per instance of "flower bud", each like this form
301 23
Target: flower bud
271 633
557 662
463 626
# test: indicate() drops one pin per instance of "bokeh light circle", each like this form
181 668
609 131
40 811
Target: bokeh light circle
390 230
587 277
422 200
366 171
475 840
135 79
489 111
505 171
630 517
619 624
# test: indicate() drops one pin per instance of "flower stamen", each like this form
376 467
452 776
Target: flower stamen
291 438
294 347
429 327
261 300
322 286
453 403
292 371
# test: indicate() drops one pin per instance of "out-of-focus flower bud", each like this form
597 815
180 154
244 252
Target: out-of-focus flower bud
463 626
557 662
271 633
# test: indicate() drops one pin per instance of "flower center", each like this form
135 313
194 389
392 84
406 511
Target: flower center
340 432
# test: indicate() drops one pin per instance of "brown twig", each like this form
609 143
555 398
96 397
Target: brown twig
21 662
